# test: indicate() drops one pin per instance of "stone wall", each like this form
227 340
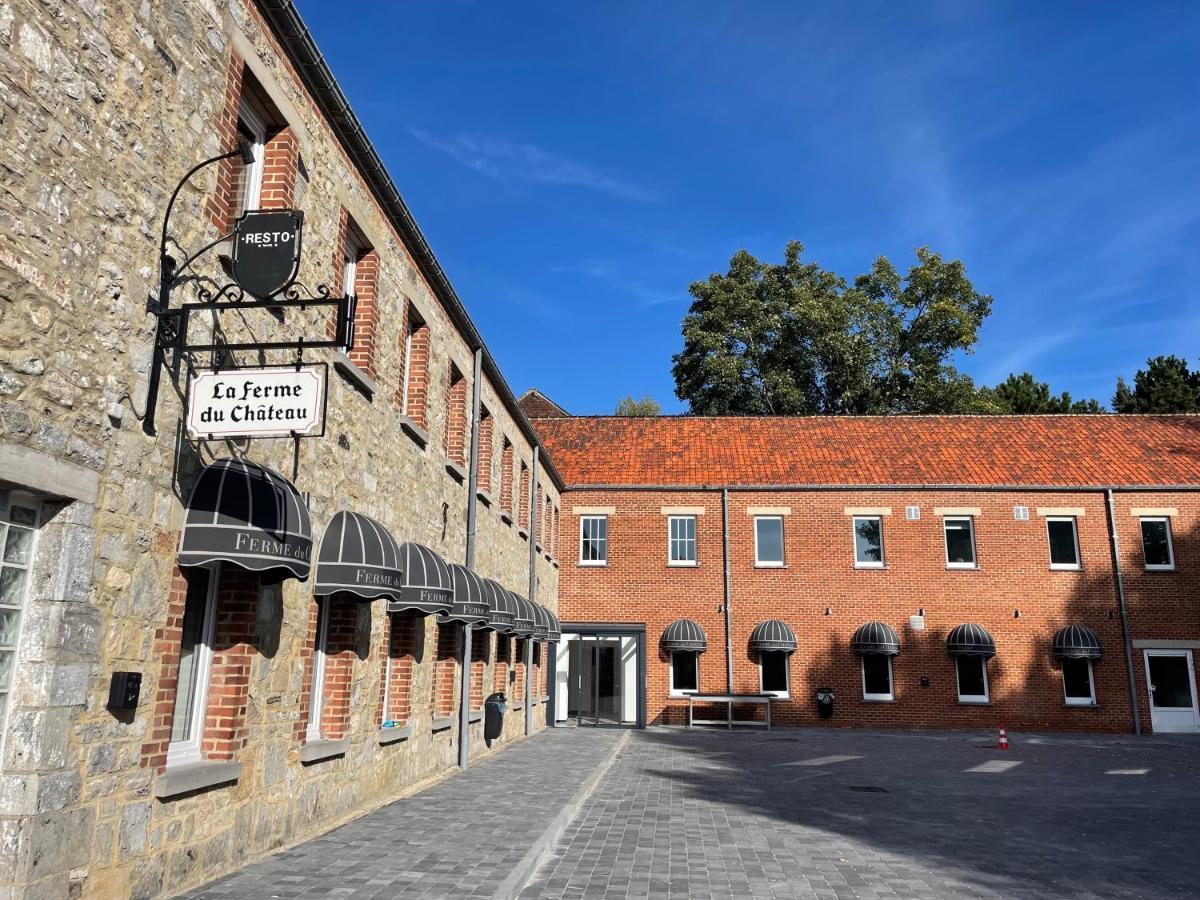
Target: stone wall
104 107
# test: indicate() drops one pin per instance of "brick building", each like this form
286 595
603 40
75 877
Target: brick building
941 572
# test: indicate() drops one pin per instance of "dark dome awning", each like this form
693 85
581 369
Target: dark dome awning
772 635
555 633
245 514
470 604
428 587
541 622
524 619
684 634
970 640
1076 642
876 637
358 556
502 609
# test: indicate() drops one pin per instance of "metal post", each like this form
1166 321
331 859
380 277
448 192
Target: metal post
464 700
1115 547
728 592
533 523
473 463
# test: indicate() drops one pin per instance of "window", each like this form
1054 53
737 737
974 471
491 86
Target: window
416 367
455 443
1064 543
1156 543
395 708
877 676
972 679
523 499
768 541
484 476
593 540
18 524
868 542
1078 686
316 697
685 672
681 540
195 659
506 478
773 672
252 129
960 543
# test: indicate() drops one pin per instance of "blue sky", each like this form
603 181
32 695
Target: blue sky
575 166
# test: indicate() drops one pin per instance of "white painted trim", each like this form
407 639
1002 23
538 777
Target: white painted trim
593 510
986 696
1064 567
684 563
786 693
252 195
671 691
958 511
869 563
868 511
1081 701
316 693
188 751
759 562
1154 512
1169 565
682 510
768 510
974 563
890 695
1061 512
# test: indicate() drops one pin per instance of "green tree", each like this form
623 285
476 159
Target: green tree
794 338
647 406
1025 394
1166 385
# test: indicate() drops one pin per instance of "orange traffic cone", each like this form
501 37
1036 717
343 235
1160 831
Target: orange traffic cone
1003 745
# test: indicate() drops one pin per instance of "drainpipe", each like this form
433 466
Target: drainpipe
1111 513
728 591
464 694
533 524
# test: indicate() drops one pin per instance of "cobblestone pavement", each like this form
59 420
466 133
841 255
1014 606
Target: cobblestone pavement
824 813
460 838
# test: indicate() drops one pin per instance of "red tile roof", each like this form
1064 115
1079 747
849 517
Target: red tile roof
1091 450
535 405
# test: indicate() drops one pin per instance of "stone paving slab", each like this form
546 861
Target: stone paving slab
852 814
462 837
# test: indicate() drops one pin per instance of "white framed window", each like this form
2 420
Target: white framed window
195 662
868 542
768 541
773 672
877 677
685 673
960 542
1063 537
1079 688
316 693
253 130
19 520
681 540
1157 547
972 679
593 540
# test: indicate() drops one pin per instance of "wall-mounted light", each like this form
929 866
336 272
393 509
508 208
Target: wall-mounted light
829 610
1016 614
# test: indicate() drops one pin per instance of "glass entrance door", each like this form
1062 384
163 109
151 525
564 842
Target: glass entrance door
1172 682
594 680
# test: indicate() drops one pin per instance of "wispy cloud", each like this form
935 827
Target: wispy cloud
614 272
504 159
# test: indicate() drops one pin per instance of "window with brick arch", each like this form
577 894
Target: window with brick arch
554 531
481 655
539 539
523 513
444 666
506 477
519 670
413 392
332 669
503 662
357 265
395 693
455 438
486 429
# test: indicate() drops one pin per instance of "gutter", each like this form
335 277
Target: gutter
819 488
297 42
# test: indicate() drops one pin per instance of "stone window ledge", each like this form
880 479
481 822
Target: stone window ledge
456 471
359 379
414 431
475 715
506 518
485 498
441 723
197 776
523 533
518 704
318 751
392 735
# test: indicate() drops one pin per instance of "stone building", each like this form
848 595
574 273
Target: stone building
294 668
934 572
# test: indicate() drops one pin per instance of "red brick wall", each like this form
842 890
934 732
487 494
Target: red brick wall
233 652
503 661
416 367
523 513
455 438
400 631
220 205
481 653
1013 574
506 477
341 649
486 427
366 312
279 170
167 641
518 686
444 666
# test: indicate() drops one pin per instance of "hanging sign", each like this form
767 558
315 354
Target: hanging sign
266 250
275 401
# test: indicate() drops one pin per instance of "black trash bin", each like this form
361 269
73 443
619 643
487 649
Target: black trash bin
493 716
825 702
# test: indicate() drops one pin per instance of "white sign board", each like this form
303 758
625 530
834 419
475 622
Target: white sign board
270 402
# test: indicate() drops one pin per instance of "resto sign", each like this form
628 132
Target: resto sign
266 250
268 402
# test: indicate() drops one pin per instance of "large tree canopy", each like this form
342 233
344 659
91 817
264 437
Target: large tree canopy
647 406
1025 394
793 338
1166 385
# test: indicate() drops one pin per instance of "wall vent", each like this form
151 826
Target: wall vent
1021 513
912 513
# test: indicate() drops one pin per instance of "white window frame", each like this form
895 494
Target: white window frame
869 564
603 561
980 699
1158 567
970 520
1064 567
683 542
786 693
316 692
252 185
188 751
682 692
1081 701
879 698
759 562
21 498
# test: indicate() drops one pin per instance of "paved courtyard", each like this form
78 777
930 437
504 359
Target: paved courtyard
793 813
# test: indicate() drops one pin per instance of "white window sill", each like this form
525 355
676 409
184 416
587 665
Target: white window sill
187 778
418 434
879 698
394 734
979 701
1081 704
350 370
442 723
683 565
777 695
485 498
1160 568
769 565
523 533
506 518
456 471
318 751
475 715
1065 568
869 566
683 695
961 567
592 565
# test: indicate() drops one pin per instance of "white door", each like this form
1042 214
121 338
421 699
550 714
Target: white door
1172 680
